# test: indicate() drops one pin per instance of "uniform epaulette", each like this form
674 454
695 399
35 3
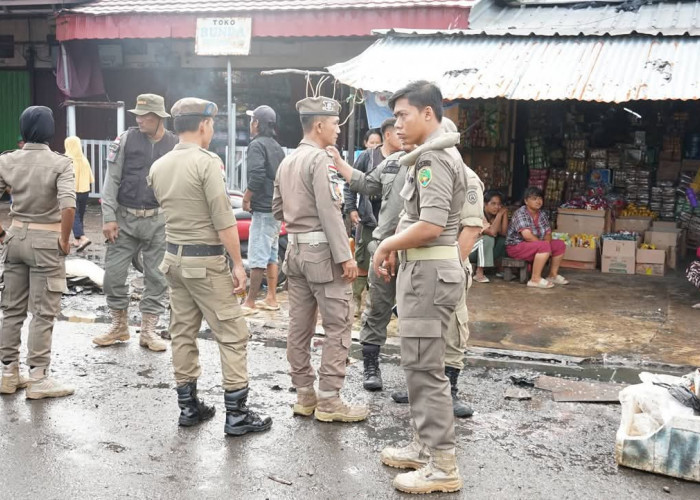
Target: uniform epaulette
61 154
8 151
213 155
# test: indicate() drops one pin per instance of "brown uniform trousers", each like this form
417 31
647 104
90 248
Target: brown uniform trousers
428 294
318 285
202 287
35 278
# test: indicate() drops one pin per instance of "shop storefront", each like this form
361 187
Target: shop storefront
606 126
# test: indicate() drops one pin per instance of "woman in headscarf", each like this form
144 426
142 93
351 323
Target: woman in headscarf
36 243
83 179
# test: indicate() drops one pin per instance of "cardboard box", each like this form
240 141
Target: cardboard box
690 165
618 256
651 262
659 225
663 239
577 221
580 258
633 224
668 170
581 266
672 257
650 269
581 254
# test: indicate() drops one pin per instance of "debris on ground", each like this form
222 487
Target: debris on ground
519 394
523 379
279 480
565 390
658 432
82 272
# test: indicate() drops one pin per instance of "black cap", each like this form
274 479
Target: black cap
263 114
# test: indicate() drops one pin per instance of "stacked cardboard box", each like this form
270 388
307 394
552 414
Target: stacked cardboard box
619 256
577 221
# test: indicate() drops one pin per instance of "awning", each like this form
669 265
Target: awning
327 22
467 66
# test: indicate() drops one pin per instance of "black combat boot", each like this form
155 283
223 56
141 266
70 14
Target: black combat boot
239 419
373 375
400 397
192 409
461 410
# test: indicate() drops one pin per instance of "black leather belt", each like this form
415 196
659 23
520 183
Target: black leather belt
196 250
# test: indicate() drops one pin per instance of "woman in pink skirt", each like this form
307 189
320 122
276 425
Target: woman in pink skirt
530 239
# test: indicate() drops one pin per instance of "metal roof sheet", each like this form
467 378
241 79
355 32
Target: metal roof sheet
670 18
106 7
603 69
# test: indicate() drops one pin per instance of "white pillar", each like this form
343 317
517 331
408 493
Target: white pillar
120 117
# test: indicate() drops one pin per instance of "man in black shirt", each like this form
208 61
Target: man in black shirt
264 156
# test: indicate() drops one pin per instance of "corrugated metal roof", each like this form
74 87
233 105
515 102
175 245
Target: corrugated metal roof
603 69
105 7
658 18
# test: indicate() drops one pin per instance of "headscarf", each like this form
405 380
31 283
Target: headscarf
74 151
36 124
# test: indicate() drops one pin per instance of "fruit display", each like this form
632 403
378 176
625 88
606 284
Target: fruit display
633 210
647 246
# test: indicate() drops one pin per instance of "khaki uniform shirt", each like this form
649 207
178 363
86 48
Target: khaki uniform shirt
309 197
386 180
189 185
435 191
42 183
472 214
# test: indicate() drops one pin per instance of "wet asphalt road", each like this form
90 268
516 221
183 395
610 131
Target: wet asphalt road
118 437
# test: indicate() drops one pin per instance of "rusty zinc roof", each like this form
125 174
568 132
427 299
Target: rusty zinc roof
542 17
467 65
111 7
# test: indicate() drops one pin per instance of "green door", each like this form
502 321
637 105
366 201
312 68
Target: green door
14 98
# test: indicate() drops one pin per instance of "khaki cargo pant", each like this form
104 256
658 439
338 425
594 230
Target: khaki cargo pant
428 293
202 287
35 278
316 284
148 235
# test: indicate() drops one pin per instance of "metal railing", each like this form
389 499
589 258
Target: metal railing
96 152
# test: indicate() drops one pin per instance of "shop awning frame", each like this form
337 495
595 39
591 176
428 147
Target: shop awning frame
469 65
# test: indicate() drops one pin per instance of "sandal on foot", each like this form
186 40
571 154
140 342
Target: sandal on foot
83 246
266 307
482 279
543 283
558 280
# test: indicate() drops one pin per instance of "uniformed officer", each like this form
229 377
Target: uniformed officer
320 267
200 228
430 284
132 222
37 241
471 225
388 179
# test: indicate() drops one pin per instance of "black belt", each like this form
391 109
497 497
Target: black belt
196 250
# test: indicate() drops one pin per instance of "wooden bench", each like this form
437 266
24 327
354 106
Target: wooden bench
509 265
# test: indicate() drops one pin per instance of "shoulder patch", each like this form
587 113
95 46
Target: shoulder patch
425 175
392 167
472 196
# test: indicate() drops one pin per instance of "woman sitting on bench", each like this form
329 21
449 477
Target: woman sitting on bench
492 245
530 239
